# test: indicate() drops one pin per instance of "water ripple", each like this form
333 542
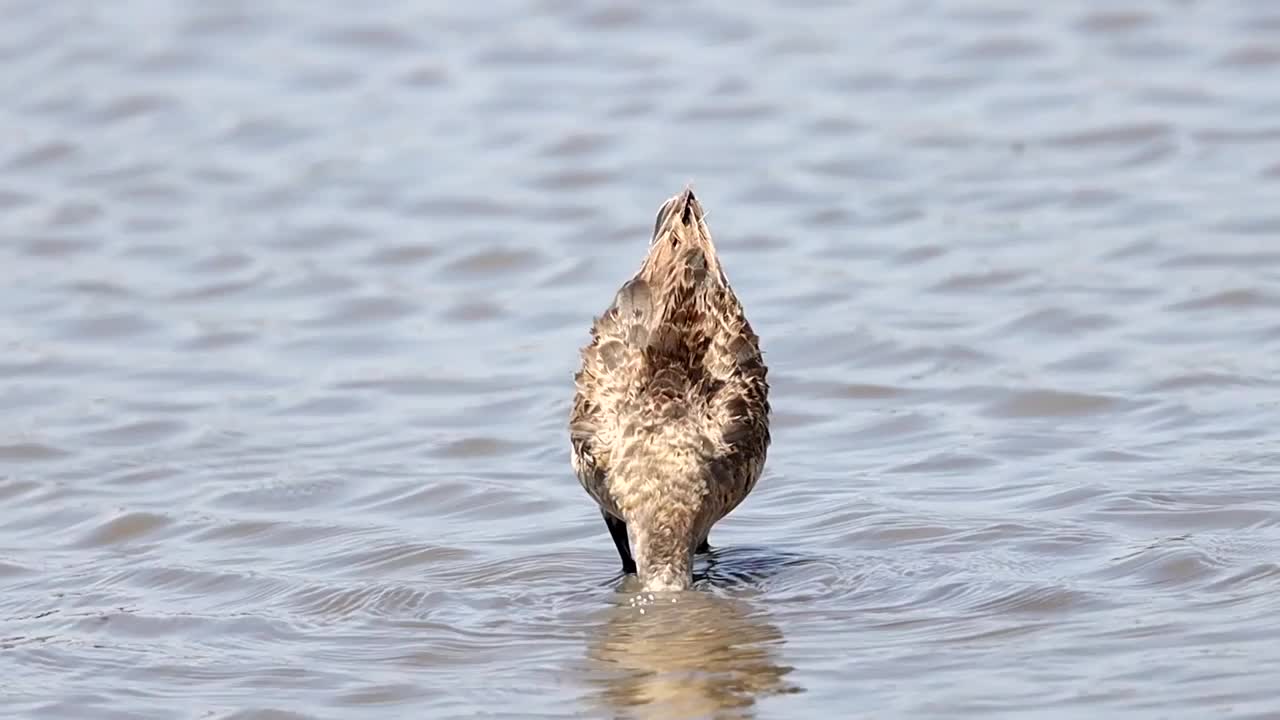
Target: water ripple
295 300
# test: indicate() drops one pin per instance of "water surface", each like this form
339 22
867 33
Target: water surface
293 294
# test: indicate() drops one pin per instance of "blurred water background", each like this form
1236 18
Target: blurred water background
292 295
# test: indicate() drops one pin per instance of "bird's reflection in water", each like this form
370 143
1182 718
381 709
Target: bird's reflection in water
699 656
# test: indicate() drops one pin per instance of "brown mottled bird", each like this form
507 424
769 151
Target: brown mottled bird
670 421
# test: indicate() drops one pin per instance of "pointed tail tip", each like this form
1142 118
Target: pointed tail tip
680 210
685 206
687 197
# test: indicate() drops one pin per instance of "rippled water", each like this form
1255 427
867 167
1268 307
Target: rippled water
293 295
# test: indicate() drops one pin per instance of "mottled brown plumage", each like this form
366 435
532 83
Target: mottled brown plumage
670 422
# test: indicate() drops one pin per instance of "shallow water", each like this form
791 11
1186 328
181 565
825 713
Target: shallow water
293 294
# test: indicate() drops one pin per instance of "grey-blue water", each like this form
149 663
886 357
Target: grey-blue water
292 296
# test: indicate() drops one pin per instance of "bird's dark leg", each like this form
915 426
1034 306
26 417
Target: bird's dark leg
618 529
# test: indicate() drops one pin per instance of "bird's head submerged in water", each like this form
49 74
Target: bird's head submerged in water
670 418
663 476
